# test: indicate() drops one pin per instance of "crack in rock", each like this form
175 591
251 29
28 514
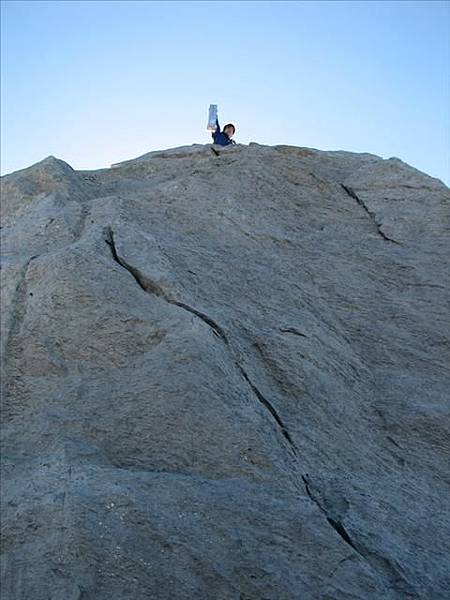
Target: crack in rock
336 525
371 214
391 439
269 407
377 563
292 330
152 287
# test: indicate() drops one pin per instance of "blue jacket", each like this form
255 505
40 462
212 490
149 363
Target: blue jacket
220 137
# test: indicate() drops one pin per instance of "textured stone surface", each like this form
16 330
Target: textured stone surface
225 377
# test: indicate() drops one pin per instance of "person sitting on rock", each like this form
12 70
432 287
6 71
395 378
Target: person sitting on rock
223 138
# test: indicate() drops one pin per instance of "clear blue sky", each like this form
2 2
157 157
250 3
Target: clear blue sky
95 83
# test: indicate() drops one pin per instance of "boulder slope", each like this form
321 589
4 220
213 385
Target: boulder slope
225 377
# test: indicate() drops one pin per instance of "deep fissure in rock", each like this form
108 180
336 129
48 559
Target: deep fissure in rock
308 491
353 195
217 330
269 407
336 525
151 287
111 244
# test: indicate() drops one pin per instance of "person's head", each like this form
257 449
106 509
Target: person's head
229 129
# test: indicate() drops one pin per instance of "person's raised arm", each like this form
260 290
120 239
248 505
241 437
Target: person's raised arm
217 131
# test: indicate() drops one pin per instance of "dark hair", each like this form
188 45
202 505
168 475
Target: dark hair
230 125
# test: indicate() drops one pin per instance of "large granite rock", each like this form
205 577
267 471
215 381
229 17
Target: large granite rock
226 377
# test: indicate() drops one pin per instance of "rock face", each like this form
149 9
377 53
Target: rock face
226 377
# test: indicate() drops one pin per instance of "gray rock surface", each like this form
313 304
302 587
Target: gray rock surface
226 377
